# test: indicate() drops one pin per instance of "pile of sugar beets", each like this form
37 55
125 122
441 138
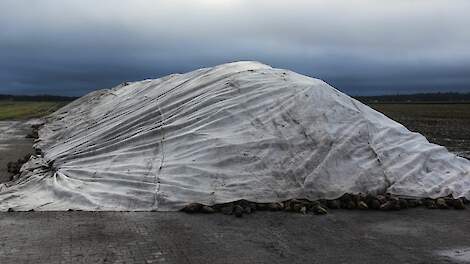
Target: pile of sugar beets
385 202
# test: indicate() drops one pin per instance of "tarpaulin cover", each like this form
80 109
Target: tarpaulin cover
236 131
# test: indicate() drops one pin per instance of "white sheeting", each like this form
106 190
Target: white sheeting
236 131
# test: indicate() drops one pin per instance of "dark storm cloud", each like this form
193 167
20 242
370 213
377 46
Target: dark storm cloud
361 47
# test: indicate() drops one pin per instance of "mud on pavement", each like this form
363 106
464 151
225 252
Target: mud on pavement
14 145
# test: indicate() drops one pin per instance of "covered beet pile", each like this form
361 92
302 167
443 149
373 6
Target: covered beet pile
238 131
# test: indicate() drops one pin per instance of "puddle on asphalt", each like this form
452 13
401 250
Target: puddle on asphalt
462 255
397 228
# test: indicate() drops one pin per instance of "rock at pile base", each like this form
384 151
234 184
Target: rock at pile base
333 204
441 203
458 204
319 210
192 208
350 201
207 209
238 211
362 205
227 210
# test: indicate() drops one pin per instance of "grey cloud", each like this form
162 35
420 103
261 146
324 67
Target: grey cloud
362 47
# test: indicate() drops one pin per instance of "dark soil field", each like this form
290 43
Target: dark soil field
446 124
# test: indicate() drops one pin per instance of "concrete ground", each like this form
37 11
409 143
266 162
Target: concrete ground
408 236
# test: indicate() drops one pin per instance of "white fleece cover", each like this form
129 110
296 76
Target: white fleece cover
236 131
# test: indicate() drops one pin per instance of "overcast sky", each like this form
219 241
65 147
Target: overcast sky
360 47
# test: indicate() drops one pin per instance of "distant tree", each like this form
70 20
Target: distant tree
419 97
